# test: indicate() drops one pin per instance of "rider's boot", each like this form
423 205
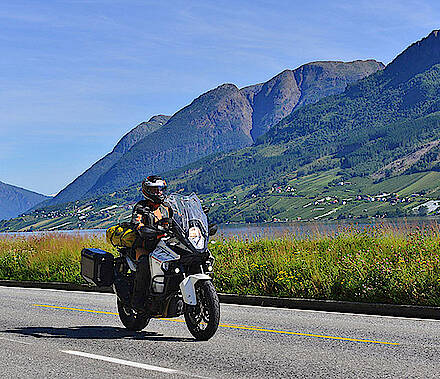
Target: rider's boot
122 290
141 284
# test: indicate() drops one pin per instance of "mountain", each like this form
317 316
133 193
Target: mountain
389 117
384 116
417 58
278 97
228 118
371 151
222 119
15 200
219 120
86 180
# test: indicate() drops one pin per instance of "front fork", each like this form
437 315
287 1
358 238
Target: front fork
188 290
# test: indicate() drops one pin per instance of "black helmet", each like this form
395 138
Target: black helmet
154 189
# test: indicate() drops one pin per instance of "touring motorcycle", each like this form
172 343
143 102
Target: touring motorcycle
181 268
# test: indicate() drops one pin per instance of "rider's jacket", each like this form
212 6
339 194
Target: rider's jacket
144 213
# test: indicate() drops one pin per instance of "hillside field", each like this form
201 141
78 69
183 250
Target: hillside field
318 196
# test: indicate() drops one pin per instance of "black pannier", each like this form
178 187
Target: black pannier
97 267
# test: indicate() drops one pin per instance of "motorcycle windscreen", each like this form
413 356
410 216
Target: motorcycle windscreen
189 216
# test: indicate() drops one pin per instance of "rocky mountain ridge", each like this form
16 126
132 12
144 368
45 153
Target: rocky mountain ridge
415 59
371 151
225 119
15 200
279 96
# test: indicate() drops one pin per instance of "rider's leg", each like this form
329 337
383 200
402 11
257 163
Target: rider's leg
142 280
141 251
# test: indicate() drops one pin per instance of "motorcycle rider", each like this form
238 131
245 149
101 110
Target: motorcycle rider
148 213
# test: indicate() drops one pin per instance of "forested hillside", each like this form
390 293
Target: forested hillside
372 151
374 122
378 135
223 119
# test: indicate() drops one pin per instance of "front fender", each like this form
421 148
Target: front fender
188 290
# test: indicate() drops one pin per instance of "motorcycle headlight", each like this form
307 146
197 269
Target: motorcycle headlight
196 238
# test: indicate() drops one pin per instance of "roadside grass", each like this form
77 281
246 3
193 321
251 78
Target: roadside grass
385 264
52 257
375 265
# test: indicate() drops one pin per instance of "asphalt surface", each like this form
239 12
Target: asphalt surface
40 338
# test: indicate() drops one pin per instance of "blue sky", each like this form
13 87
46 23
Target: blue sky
76 75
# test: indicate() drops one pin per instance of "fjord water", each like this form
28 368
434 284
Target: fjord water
322 228
274 230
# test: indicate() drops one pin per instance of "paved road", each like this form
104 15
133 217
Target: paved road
49 342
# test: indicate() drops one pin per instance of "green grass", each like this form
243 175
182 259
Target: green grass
382 264
49 257
375 266
427 180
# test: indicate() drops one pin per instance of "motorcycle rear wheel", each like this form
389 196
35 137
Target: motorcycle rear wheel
130 319
202 319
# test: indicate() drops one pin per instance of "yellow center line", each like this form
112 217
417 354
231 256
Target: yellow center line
231 326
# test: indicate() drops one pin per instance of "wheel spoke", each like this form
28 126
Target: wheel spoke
202 319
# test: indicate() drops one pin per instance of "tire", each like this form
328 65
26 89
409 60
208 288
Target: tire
202 319
132 321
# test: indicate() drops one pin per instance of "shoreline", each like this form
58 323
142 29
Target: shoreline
266 226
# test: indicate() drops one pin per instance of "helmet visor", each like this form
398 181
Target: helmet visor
159 190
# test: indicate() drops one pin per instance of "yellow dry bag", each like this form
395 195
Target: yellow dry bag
121 235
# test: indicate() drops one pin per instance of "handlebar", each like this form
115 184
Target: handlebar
148 232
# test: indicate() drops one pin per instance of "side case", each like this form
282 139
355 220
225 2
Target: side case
97 267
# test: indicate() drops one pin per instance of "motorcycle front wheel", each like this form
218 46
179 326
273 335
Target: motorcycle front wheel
130 319
202 319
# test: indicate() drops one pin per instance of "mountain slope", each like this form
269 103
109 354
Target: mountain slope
368 152
222 119
86 180
219 120
279 96
375 122
15 200
417 58
227 118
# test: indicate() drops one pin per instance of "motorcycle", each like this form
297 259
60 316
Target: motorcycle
180 266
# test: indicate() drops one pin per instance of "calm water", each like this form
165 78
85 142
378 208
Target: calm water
322 228
73 231
279 229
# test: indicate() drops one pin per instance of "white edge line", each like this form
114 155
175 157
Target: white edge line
122 362
11 340
56 290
